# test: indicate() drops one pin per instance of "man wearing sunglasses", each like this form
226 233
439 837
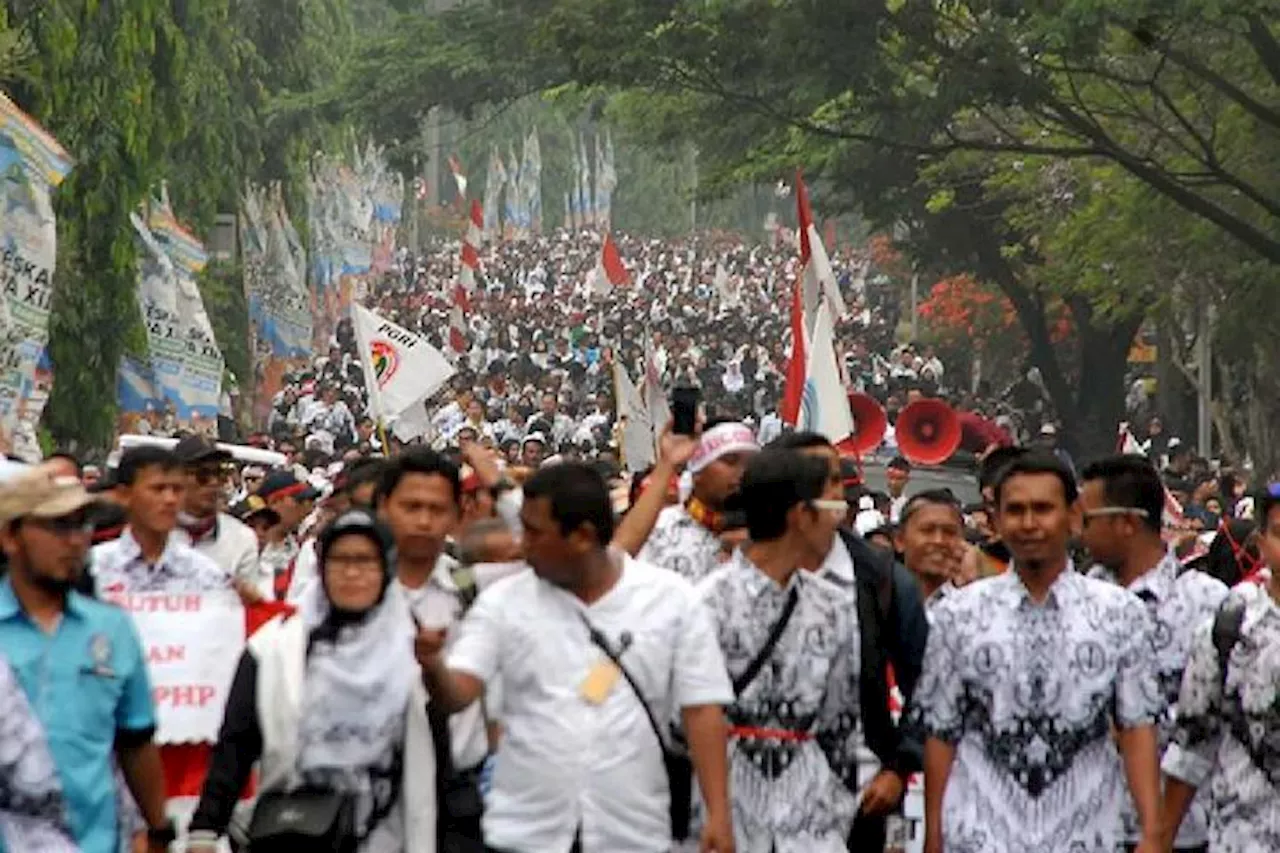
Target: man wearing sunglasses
217 535
1122 503
79 663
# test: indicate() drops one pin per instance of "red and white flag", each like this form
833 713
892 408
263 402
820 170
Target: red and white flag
798 366
467 277
609 271
818 277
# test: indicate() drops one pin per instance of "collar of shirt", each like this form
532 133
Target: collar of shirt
1154 585
756 582
131 552
837 566
1063 590
10 607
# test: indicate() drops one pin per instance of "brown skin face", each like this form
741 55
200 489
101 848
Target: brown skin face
48 552
721 478
421 513
1035 520
1105 536
931 542
203 488
153 499
353 573
556 556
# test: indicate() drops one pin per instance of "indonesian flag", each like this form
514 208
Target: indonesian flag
609 271
459 178
819 279
798 366
457 329
466 286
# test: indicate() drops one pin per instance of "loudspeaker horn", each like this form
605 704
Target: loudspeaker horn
928 432
869 425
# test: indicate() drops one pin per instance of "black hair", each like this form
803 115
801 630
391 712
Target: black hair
934 497
137 459
994 463
1234 552
899 463
577 495
1132 482
363 471
1038 462
775 481
1264 502
417 460
800 440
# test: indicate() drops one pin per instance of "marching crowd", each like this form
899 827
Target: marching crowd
490 640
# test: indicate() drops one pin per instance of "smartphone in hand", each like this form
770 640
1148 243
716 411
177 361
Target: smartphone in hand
684 410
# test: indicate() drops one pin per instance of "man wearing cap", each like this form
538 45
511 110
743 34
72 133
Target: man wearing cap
686 538
254 513
217 535
291 499
79 663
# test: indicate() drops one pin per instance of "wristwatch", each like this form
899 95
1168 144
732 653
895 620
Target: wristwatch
165 834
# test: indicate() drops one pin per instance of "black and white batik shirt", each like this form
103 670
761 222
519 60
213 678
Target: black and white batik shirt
1179 602
679 543
792 793
33 813
1028 693
1233 734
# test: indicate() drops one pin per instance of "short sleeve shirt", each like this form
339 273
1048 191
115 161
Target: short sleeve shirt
86 681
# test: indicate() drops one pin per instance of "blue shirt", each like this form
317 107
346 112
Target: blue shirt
85 681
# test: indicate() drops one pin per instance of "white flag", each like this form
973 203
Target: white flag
825 408
400 368
725 288
637 435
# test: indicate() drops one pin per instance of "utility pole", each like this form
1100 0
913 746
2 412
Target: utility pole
915 304
693 201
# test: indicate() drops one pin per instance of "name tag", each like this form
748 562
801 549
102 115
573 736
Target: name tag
599 683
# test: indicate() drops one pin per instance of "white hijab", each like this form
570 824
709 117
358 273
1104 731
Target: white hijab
355 694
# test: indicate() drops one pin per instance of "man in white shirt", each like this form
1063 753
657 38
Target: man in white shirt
581 767
419 495
221 538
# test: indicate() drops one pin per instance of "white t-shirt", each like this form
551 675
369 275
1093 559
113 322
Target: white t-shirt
566 763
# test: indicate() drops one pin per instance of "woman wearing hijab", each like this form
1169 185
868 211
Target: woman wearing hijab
331 699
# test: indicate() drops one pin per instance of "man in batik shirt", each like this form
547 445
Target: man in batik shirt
1031 681
686 538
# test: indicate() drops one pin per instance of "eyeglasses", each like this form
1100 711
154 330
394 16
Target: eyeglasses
65 525
1103 512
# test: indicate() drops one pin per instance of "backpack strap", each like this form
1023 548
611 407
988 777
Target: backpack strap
1227 627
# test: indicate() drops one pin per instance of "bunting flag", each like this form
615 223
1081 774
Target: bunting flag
400 368
609 271
819 279
825 405
459 177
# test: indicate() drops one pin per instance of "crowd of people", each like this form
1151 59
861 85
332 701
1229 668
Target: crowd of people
492 639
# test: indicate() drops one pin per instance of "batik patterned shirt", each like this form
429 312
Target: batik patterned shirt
1229 737
1028 693
1179 603
33 813
791 793
681 544
119 567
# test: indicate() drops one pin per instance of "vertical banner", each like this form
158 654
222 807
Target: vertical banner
32 165
184 383
493 182
587 205
511 197
532 178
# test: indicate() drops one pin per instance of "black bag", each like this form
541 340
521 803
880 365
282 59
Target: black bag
310 820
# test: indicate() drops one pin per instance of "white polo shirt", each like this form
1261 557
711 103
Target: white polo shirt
565 763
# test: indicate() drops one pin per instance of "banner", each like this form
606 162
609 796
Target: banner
32 165
493 183
192 643
183 385
511 197
531 185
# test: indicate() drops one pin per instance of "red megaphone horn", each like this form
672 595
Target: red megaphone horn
928 432
869 425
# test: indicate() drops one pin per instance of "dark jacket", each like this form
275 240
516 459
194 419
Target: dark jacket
894 630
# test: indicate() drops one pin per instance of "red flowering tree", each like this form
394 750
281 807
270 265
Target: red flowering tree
964 317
